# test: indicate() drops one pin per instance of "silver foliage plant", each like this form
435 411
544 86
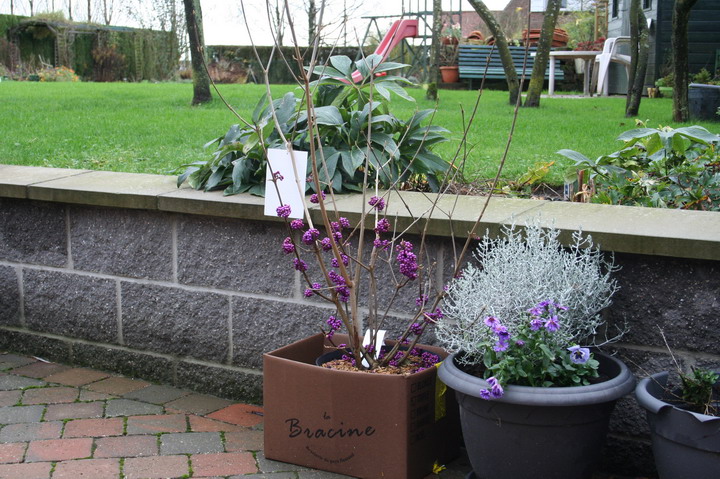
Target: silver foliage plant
516 271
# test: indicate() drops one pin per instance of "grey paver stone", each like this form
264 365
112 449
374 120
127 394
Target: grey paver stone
268 465
31 431
198 404
10 382
14 361
18 414
128 407
321 475
157 394
271 475
190 443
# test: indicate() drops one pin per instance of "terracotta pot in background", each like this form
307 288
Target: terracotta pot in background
450 74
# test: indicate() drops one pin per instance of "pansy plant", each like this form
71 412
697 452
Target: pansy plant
528 356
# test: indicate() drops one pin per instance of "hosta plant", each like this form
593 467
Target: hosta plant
356 134
527 309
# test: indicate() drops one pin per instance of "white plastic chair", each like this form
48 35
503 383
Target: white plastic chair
602 63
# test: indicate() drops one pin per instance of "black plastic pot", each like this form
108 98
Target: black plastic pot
703 101
553 433
685 444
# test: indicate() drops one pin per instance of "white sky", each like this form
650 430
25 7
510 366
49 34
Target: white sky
223 22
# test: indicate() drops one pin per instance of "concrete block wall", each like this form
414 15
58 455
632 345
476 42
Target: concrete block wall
127 273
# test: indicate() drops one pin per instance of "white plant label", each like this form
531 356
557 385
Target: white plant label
280 161
379 340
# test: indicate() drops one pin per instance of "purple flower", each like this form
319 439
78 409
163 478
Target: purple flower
492 322
288 246
377 203
278 176
314 197
335 226
299 264
381 244
421 300
382 226
502 333
535 324
430 359
310 236
283 211
337 236
500 346
579 355
485 394
308 293
520 343
407 259
416 329
552 324
496 390
344 222
297 224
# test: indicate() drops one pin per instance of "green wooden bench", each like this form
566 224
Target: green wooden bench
473 59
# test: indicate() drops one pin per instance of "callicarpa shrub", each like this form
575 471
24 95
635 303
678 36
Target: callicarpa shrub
516 272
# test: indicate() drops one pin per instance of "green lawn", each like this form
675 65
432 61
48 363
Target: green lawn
152 128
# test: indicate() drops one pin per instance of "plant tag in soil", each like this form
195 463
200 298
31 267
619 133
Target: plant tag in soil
290 187
378 343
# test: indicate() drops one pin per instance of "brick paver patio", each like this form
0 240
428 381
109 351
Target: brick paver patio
60 422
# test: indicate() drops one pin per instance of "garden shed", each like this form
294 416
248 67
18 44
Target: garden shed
703 38
97 52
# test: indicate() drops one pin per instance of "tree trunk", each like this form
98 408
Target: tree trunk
312 27
537 79
511 76
639 51
89 8
679 45
201 81
437 27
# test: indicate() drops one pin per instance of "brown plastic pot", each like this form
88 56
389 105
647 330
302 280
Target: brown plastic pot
359 424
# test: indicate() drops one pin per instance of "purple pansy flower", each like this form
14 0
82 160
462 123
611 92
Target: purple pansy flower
579 355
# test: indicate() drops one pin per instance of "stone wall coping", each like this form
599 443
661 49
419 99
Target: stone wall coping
622 229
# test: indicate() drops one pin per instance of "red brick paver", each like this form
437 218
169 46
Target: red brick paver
38 470
126 446
118 385
50 395
76 377
156 467
40 369
240 414
153 424
74 411
12 452
202 424
223 464
94 427
88 468
9 398
248 440
58 449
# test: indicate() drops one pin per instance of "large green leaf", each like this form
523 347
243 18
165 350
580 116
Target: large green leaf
343 64
636 134
578 158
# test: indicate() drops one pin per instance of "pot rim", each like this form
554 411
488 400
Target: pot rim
606 391
649 392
